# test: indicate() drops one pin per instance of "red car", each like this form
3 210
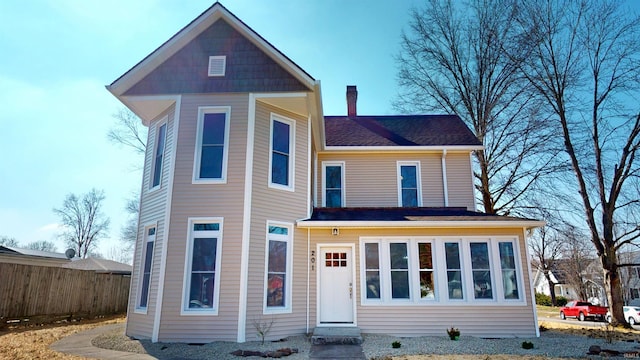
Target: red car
582 310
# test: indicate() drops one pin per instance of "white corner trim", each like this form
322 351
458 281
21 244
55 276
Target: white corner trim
309 166
530 283
445 188
246 222
167 221
473 186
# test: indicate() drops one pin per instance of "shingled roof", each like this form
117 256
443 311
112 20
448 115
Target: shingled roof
405 216
398 130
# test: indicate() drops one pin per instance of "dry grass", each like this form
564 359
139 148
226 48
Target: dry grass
32 341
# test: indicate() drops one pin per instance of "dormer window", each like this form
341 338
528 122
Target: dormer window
217 65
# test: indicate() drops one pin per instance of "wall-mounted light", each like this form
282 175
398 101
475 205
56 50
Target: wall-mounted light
335 231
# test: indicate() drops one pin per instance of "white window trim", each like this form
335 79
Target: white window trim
342 184
399 164
186 283
287 309
440 272
146 239
292 151
202 110
164 121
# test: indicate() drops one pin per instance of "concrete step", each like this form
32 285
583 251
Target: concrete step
336 335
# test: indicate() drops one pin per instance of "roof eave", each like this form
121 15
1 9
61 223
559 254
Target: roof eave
465 148
529 224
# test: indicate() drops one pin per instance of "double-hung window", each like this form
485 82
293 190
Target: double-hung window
481 270
278 268
281 154
409 184
212 145
158 154
509 270
147 261
202 272
454 270
333 183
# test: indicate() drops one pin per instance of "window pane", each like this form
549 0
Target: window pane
510 284
454 283
275 289
482 284
424 255
157 167
201 292
479 255
213 129
206 227
334 177
452 252
204 254
409 178
278 230
334 198
281 137
148 257
280 169
400 284
211 162
144 293
509 275
373 284
398 254
151 231
277 256
409 197
426 285
371 256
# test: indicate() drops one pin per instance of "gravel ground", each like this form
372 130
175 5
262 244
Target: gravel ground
549 344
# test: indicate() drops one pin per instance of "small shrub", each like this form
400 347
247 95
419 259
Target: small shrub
396 344
542 328
527 345
542 299
453 333
263 327
561 300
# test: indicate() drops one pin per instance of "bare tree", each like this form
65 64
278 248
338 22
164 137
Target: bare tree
129 231
583 61
576 260
546 248
8 241
84 221
128 131
452 60
42 245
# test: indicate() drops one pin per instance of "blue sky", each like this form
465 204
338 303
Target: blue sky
58 55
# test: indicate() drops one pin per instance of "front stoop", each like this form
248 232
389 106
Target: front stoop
336 335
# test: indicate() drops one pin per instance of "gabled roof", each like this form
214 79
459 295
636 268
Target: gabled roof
99 265
399 131
29 252
439 217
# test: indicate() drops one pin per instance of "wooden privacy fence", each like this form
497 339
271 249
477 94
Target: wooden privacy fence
42 293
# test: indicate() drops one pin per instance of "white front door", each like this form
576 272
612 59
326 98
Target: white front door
336 291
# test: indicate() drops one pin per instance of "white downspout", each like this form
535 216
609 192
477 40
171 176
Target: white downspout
444 178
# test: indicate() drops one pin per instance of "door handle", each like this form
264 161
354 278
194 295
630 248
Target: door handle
350 291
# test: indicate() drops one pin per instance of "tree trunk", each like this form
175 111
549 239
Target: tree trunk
613 288
552 288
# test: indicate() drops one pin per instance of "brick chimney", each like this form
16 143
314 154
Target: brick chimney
352 99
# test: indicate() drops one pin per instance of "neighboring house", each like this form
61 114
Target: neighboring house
14 255
559 273
255 206
630 277
103 266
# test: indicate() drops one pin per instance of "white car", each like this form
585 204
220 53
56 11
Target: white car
632 314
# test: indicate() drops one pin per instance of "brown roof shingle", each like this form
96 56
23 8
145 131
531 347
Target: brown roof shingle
398 130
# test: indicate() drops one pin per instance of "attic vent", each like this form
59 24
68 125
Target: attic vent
217 65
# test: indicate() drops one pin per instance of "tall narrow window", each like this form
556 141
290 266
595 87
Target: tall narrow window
425 258
399 270
454 270
147 260
409 193
203 273
481 270
372 269
333 184
509 274
158 154
278 274
212 143
281 155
